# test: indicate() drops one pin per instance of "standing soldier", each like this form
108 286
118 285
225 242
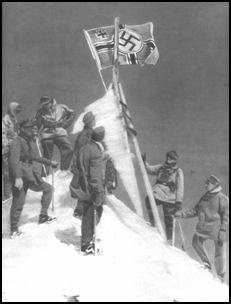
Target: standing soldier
82 139
9 133
111 180
24 176
53 119
213 215
168 190
91 165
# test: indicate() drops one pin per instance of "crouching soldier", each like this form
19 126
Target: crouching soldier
24 176
52 120
91 165
168 190
213 215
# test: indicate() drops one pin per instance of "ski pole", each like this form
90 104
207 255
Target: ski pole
94 228
40 154
182 236
53 190
173 232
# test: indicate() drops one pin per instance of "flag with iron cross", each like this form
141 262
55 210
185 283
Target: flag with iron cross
136 45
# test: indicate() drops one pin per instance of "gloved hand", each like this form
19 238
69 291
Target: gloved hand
98 198
178 214
54 164
5 150
110 186
221 237
59 124
144 157
178 206
18 183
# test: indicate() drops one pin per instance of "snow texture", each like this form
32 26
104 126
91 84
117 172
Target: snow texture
108 114
45 265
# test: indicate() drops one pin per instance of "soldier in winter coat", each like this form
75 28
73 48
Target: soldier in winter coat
24 175
82 139
52 120
9 133
168 190
91 165
213 215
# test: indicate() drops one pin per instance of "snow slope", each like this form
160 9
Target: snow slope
45 264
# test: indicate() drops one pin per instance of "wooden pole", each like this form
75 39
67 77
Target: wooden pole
182 236
145 176
115 69
174 232
119 94
53 190
40 154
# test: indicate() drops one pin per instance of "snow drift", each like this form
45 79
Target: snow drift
108 114
136 265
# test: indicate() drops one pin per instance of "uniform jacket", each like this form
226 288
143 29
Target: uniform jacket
22 158
169 186
9 127
82 139
54 122
91 164
213 214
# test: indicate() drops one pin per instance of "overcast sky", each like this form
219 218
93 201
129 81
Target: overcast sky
181 103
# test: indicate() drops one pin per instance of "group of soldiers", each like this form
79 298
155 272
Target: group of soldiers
212 210
94 175
30 142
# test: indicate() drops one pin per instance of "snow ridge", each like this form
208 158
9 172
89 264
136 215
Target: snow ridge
136 265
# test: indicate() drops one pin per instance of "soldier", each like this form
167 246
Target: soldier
213 215
168 190
52 120
24 176
9 133
111 180
82 139
91 165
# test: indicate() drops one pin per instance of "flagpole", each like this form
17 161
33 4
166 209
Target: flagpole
144 174
115 69
101 77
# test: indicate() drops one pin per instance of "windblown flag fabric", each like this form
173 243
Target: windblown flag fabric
136 45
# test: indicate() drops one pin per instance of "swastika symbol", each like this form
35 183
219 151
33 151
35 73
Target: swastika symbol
129 42
101 34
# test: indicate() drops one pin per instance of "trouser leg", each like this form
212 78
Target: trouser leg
220 258
66 151
17 206
169 210
87 227
46 196
197 243
6 177
48 147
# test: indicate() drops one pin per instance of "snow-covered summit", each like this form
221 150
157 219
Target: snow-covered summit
135 266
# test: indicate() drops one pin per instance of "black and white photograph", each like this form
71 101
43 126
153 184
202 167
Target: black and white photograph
115 151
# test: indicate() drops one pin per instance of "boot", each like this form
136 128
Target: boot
43 218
